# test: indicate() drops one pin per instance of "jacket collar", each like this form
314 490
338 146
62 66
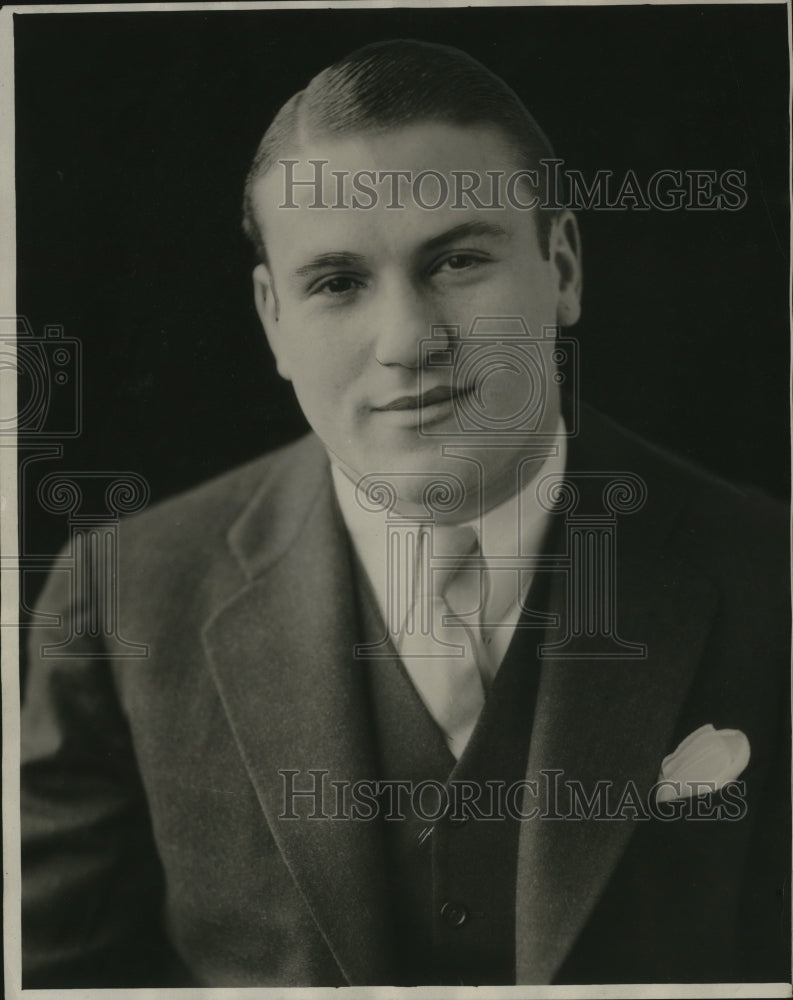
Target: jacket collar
295 699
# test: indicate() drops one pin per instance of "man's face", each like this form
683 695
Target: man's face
349 295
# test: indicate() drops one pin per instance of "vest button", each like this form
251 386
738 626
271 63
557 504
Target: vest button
455 914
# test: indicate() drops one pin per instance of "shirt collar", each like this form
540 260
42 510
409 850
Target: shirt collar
495 528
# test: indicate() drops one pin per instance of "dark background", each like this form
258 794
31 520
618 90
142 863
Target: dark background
133 137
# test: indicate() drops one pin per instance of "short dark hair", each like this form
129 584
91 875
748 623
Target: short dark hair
395 83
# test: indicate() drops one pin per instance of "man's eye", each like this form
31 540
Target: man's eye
459 262
339 285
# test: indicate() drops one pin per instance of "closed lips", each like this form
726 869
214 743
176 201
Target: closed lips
440 394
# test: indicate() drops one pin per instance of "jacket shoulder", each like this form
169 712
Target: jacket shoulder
200 518
724 504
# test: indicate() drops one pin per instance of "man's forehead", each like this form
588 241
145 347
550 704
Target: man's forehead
401 187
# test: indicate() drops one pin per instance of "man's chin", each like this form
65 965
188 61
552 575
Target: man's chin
415 482
441 490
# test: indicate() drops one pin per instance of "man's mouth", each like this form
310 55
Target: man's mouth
432 397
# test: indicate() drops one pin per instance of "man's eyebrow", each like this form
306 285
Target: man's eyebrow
464 230
346 258
343 258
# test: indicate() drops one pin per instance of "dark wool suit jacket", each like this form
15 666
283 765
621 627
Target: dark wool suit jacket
153 851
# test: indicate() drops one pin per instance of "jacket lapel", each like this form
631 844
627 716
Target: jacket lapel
295 702
281 656
601 719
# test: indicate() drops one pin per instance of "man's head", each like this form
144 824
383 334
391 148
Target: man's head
388 85
348 287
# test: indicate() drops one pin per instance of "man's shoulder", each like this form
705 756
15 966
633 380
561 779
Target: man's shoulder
734 532
202 516
724 500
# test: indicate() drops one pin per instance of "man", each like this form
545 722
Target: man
461 585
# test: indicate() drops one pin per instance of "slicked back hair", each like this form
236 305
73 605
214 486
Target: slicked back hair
393 84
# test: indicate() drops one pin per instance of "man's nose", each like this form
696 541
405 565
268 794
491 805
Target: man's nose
405 320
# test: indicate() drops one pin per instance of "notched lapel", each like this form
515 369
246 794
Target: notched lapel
281 655
610 720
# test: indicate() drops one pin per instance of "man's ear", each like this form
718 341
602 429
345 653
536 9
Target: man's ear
565 256
267 307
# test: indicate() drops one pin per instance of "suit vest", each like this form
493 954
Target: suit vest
451 831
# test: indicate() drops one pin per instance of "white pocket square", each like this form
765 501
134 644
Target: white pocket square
708 757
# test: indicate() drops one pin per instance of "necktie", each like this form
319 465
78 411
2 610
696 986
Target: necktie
438 642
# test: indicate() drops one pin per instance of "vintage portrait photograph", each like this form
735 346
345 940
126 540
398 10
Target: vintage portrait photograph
395 451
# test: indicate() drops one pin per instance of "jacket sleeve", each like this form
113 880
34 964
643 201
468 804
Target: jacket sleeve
92 885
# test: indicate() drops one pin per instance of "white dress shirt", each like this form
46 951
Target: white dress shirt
515 528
